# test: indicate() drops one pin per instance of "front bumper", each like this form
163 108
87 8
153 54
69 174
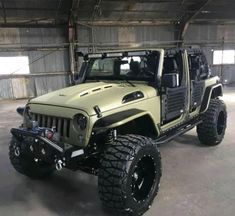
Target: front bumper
35 144
36 136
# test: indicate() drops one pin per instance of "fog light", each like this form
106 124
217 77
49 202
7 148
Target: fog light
49 134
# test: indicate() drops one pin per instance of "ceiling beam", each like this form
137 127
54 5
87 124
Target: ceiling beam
76 4
74 9
25 25
130 11
72 17
125 23
97 10
214 21
29 9
183 23
143 1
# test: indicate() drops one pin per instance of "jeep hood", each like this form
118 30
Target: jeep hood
85 96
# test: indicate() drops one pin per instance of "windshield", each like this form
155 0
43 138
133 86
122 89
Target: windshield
136 67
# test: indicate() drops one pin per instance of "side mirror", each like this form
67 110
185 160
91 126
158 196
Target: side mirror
170 80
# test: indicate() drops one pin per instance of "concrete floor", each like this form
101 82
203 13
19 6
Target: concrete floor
196 181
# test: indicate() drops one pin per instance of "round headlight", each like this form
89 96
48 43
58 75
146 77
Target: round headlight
82 121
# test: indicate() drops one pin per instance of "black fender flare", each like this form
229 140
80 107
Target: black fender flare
211 92
120 118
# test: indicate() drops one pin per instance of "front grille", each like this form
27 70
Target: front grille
62 124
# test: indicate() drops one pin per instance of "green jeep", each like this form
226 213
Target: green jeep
124 104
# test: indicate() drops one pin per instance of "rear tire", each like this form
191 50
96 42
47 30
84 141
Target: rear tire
211 131
24 163
130 174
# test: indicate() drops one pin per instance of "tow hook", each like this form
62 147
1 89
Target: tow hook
59 165
17 151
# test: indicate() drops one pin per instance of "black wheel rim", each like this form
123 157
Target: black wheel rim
220 123
143 178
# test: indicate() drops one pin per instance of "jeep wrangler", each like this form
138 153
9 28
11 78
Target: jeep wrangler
124 104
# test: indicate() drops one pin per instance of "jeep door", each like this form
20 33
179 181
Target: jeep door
174 89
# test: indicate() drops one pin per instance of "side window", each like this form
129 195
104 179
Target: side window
204 68
193 62
173 64
198 67
132 64
104 65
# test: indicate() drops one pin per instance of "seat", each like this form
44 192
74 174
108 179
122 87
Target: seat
170 66
194 68
135 68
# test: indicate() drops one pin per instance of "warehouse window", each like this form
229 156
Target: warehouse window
14 65
126 67
223 57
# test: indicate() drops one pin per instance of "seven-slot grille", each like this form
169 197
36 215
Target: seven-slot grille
62 124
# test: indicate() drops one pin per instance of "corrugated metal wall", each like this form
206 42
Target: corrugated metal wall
114 36
49 67
208 37
48 61
215 37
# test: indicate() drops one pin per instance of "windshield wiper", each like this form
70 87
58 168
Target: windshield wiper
128 81
124 79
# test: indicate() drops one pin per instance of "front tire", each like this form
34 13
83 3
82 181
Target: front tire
25 164
130 174
211 131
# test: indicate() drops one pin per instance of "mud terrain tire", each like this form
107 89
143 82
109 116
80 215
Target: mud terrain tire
211 131
129 175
